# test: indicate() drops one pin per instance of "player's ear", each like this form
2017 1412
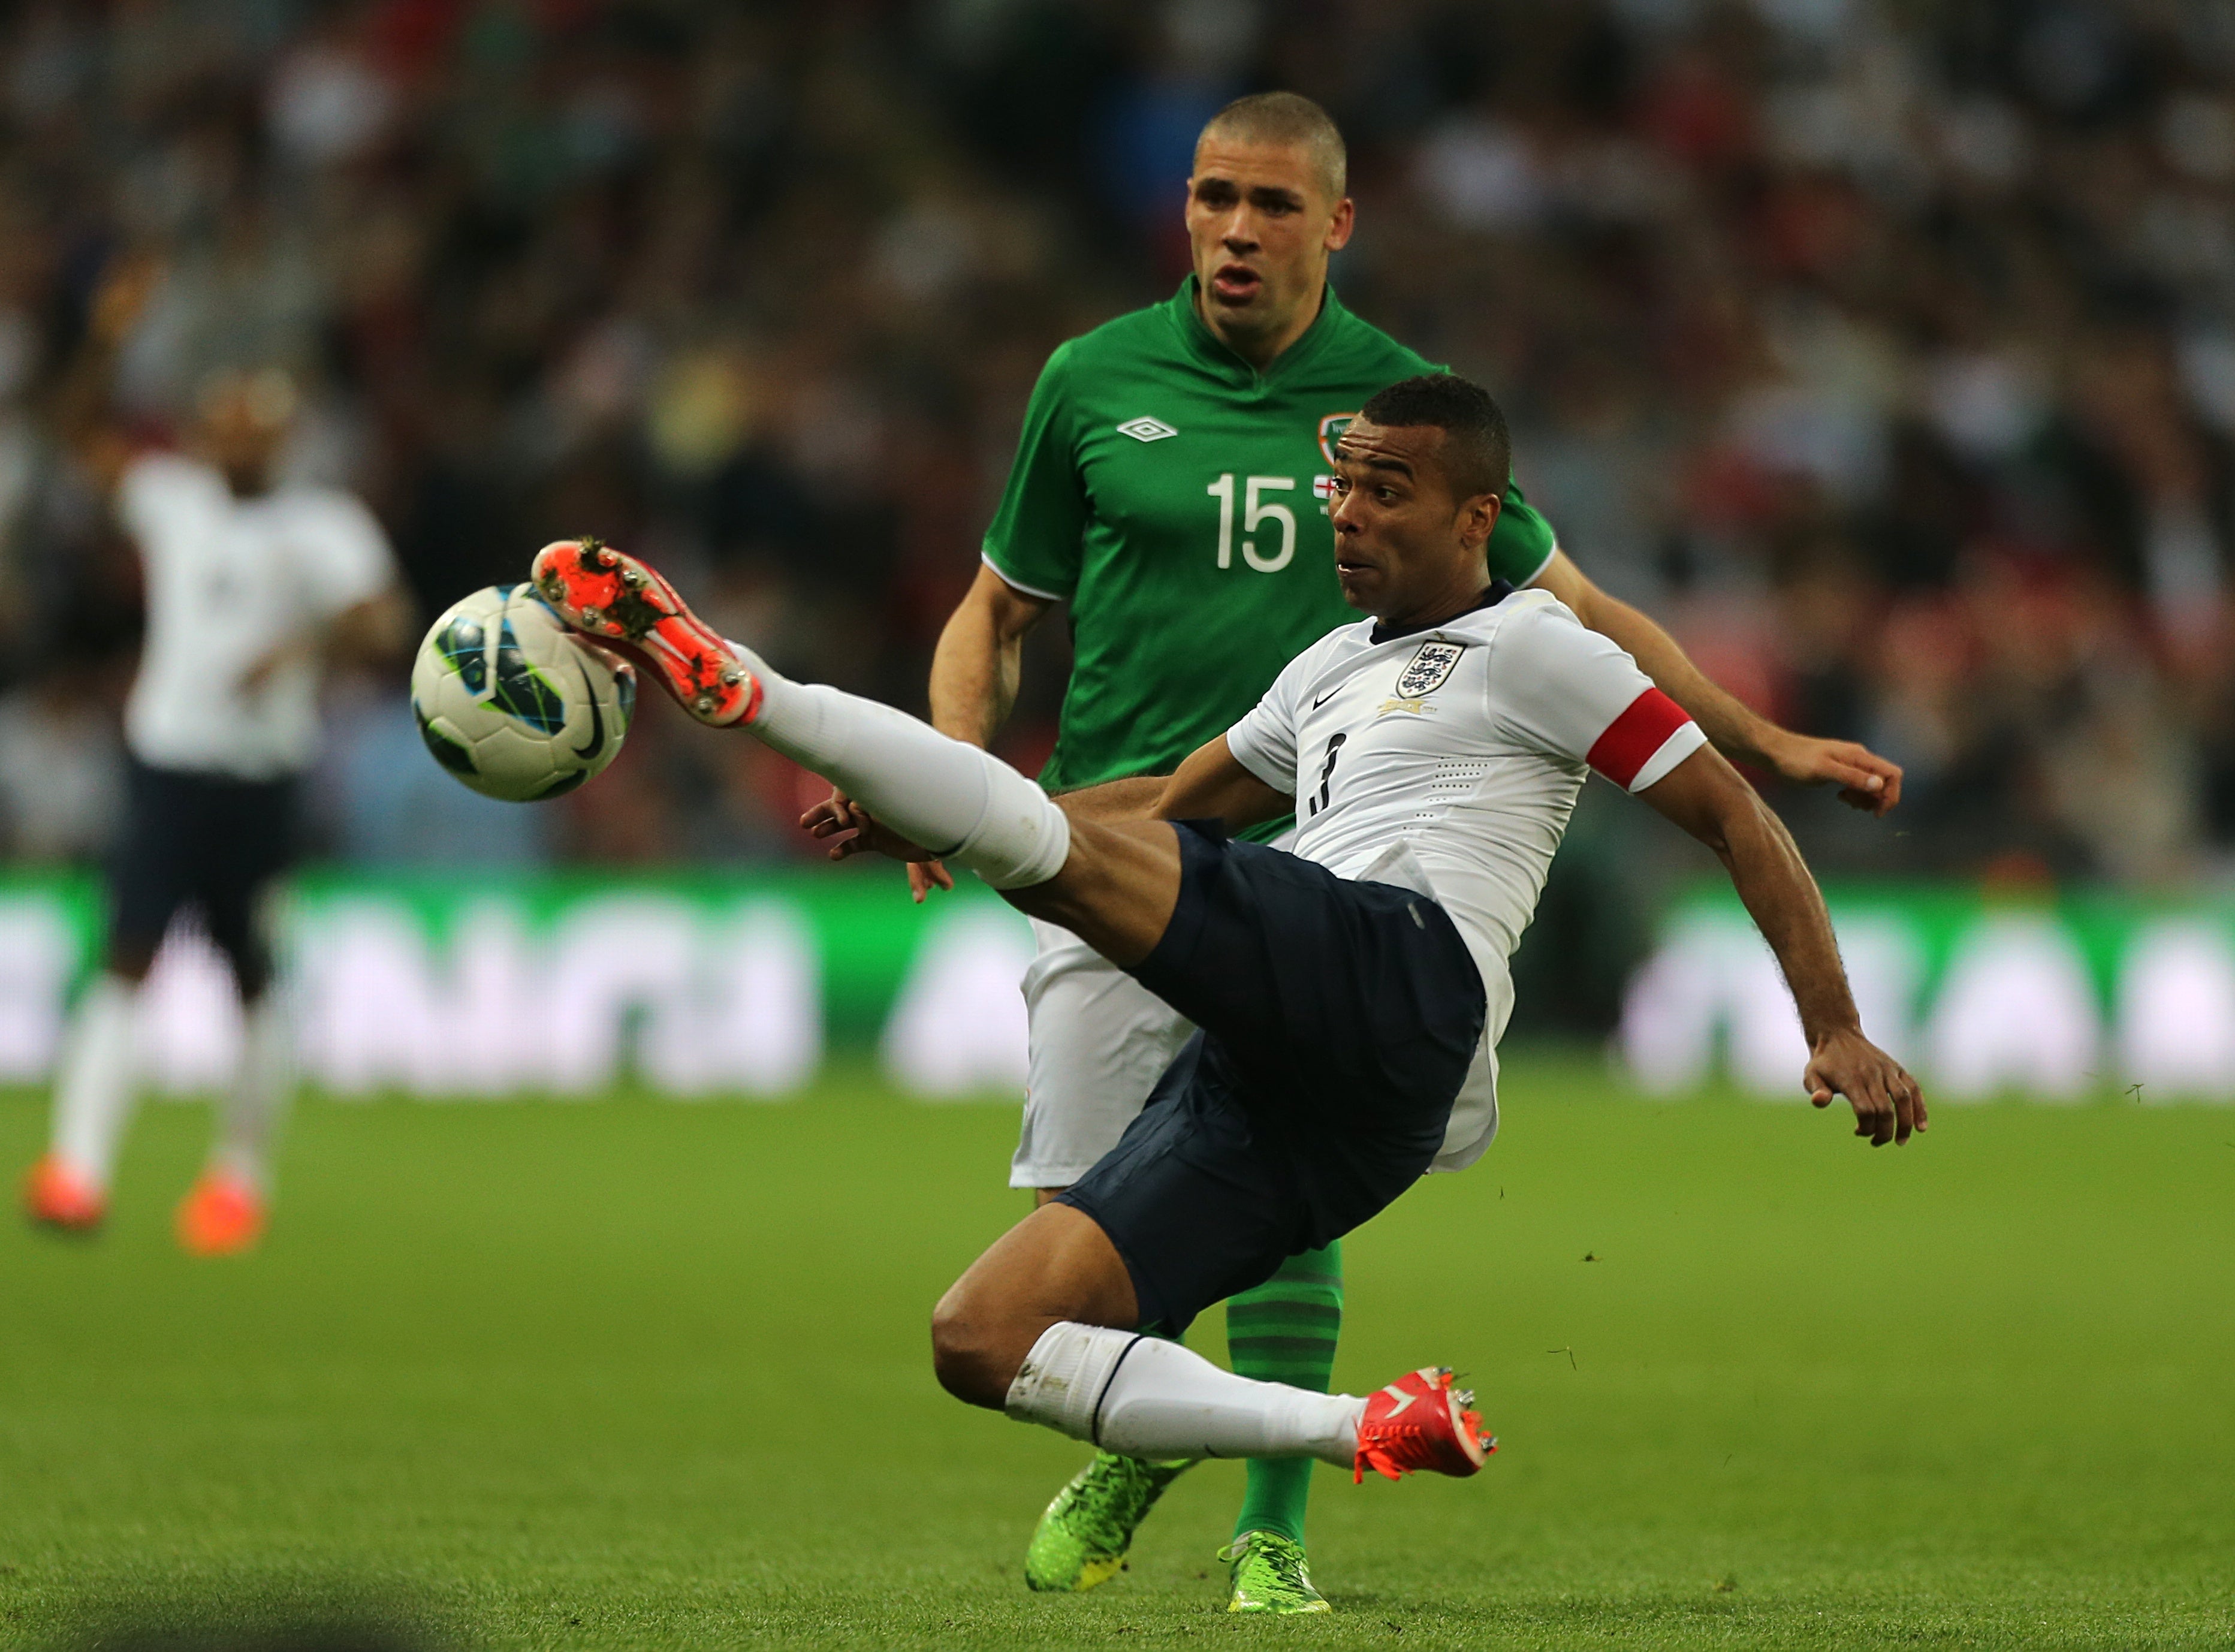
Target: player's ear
1478 517
1340 227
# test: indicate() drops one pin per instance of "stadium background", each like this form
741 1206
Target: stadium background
1885 351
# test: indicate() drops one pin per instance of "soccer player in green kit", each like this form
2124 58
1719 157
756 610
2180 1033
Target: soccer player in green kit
1171 484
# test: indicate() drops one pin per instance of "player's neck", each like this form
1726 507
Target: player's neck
1261 348
1445 607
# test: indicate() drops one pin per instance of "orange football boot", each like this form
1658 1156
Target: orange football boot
610 595
222 1215
54 1196
1418 1422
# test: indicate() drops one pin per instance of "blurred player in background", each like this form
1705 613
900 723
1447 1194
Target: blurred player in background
252 584
1171 484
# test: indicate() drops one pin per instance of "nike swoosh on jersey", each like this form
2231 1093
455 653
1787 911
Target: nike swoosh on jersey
597 718
1325 697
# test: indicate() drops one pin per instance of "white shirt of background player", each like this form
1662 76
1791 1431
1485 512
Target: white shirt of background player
231 581
1447 761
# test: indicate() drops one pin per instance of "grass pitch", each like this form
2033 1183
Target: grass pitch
641 1374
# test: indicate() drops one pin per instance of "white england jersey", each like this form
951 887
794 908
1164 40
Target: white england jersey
1448 760
228 581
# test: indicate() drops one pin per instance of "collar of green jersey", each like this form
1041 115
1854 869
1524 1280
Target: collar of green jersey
1206 347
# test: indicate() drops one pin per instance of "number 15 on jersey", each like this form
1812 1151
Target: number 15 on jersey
1257 511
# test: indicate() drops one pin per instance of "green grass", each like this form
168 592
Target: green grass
638 1374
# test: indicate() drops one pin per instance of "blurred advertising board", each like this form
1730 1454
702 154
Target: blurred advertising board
464 986
703 984
2058 999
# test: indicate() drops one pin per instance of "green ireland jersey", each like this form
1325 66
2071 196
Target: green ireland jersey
1177 497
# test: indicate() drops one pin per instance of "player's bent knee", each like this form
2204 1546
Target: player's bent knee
974 1354
1056 1264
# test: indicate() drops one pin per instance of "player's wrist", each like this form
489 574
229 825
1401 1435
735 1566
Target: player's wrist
1764 743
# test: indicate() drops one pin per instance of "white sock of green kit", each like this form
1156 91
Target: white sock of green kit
94 1088
1142 1396
970 807
254 1108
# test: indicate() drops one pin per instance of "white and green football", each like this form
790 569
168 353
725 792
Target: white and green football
513 701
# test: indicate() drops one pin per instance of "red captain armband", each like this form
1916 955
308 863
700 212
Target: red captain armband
1632 738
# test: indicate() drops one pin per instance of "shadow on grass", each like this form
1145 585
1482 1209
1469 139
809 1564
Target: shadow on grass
200 1624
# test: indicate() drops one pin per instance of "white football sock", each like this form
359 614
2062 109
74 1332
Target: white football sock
970 807
256 1105
94 1087
1144 1397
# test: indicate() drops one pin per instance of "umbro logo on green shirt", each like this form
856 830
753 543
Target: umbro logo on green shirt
1145 429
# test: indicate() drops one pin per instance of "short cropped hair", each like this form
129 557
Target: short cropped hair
1478 455
1285 118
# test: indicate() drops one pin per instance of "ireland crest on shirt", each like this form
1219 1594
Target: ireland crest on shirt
1331 429
1426 671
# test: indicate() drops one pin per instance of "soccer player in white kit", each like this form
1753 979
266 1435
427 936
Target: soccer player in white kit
1348 997
251 584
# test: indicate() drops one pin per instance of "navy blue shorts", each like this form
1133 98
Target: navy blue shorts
1339 1020
208 844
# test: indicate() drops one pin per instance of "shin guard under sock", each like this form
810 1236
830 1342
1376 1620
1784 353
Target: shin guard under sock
964 804
1144 1397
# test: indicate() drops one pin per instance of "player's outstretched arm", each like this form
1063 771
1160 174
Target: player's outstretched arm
1707 797
1865 780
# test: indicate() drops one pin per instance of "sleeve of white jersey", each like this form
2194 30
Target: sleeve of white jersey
349 561
1264 741
148 495
1572 693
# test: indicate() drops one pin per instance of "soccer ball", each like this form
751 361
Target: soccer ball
513 702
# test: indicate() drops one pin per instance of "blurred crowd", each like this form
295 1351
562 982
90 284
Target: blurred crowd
1885 349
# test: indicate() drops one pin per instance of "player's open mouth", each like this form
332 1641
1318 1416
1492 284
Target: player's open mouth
1237 283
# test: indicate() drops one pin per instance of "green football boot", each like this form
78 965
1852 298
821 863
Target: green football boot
1084 1535
1270 1574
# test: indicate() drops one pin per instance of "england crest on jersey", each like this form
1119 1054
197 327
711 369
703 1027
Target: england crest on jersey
1426 671
1331 429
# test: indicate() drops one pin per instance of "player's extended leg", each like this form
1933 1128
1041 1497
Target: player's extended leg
1040 1327
68 1188
224 1212
1113 886
95 1078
